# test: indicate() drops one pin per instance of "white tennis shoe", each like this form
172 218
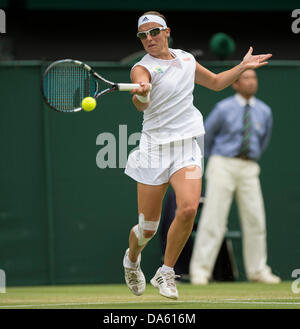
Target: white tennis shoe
165 282
134 277
266 276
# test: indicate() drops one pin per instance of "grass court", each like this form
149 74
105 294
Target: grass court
237 295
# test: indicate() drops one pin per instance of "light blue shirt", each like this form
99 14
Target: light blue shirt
224 127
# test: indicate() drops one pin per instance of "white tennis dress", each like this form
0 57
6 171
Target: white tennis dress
171 122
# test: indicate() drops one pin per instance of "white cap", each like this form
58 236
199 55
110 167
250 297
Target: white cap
151 18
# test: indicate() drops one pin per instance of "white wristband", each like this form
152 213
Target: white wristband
143 99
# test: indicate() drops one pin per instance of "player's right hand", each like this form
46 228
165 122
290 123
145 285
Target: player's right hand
143 90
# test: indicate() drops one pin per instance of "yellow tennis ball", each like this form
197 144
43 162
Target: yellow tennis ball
88 104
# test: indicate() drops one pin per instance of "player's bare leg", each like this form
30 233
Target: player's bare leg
187 185
150 205
149 209
188 193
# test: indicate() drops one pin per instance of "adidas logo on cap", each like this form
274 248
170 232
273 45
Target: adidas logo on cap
145 19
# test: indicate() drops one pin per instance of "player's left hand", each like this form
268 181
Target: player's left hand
255 61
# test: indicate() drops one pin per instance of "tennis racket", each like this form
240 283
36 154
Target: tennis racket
65 83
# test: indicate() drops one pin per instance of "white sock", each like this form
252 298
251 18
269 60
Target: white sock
129 263
165 268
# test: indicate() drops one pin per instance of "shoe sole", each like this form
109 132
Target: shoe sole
265 282
137 294
195 283
155 285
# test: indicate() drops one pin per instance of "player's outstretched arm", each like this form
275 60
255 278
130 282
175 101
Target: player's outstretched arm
224 79
141 96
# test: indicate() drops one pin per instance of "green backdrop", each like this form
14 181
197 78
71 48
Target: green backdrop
64 220
158 4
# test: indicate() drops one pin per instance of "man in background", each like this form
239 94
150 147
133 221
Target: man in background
238 131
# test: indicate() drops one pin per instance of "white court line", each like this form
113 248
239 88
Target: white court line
226 301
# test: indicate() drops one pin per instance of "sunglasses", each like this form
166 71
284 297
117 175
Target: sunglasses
153 32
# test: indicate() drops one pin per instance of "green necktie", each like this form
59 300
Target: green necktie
245 147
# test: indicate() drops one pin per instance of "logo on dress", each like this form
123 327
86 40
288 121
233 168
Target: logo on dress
187 59
158 69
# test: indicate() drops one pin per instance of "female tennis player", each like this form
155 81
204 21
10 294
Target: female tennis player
168 151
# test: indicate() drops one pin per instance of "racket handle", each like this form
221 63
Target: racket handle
129 86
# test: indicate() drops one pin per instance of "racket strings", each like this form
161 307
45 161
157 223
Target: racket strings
66 84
